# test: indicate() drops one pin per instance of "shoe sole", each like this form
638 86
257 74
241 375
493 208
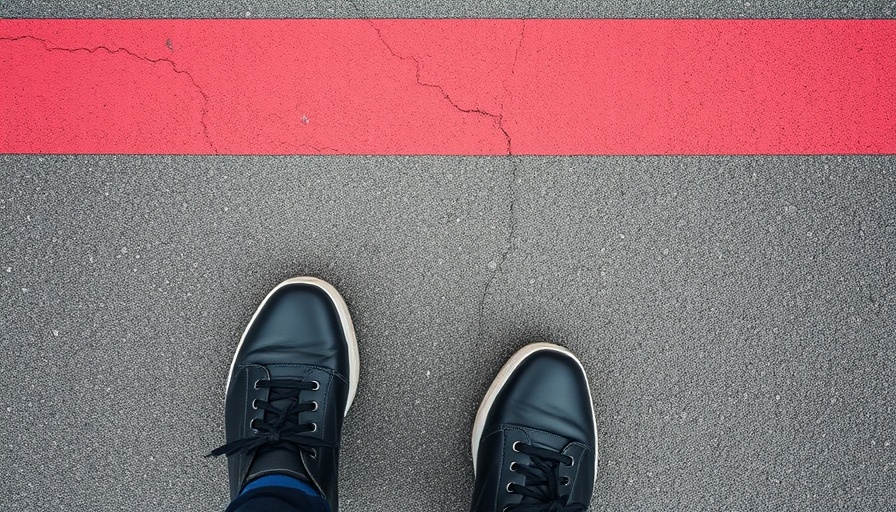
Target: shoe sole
502 378
345 318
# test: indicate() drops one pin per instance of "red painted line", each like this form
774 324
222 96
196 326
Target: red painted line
461 87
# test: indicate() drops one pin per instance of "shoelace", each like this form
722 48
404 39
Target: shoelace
541 493
280 422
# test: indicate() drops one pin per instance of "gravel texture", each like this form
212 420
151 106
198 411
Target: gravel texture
736 317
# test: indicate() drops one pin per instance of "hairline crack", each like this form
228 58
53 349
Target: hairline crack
204 111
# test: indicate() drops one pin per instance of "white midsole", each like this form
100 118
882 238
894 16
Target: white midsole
502 378
348 330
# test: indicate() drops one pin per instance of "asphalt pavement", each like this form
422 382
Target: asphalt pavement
736 315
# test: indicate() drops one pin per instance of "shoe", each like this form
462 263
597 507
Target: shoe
292 381
535 437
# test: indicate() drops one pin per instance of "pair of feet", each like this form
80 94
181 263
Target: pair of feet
295 375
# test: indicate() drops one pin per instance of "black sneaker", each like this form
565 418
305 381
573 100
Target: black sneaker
293 378
535 437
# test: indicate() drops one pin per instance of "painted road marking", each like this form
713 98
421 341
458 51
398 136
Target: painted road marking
458 87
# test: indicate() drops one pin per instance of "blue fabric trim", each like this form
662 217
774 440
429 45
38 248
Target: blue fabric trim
281 481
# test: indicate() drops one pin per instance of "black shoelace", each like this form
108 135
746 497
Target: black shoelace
280 423
542 491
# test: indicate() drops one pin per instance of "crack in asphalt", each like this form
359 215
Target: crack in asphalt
499 122
205 101
516 57
497 118
509 240
321 150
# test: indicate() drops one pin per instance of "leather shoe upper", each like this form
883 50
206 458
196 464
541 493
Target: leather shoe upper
538 446
298 324
287 392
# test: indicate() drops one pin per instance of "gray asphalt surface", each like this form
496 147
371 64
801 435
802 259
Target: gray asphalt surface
449 9
736 315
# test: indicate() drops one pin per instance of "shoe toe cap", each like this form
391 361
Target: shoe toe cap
298 322
547 391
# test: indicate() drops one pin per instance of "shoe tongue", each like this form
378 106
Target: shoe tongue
547 441
540 439
283 459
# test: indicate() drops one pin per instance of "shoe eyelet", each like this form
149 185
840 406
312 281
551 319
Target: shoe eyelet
513 466
313 453
508 487
255 404
564 480
314 402
514 447
313 427
572 461
252 424
316 385
257 382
